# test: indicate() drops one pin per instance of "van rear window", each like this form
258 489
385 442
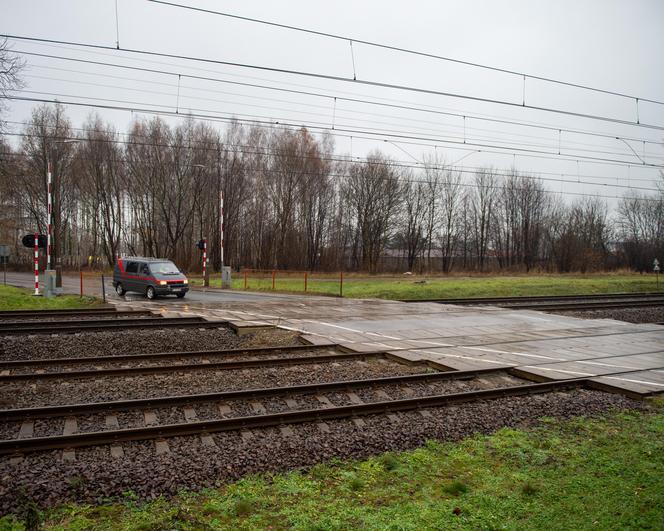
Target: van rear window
132 267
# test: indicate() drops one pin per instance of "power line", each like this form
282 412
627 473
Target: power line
469 185
375 131
410 51
263 98
500 173
519 123
330 77
422 165
378 99
353 117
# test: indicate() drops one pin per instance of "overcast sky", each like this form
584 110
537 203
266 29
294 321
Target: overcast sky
613 45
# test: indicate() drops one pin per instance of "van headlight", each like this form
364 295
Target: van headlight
185 281
162 282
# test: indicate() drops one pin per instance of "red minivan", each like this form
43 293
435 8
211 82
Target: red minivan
150 276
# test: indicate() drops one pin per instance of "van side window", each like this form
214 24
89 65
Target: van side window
132 267
144 270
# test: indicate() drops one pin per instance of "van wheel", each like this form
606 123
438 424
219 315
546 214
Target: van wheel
120 290
150 293
180 295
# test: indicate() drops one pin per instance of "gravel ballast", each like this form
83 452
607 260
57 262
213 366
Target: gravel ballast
91 344
94 476
646 314
251 406
55 391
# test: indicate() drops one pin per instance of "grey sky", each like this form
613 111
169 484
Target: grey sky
614 45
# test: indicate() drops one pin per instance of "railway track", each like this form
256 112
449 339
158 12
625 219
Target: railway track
561 302
255 408
62 373
590 305
53 326
139 358
88 312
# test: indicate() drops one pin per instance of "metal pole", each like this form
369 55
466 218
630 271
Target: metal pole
341 284
305 281
49 210
5 259
36 264
273 275
103 288
81 275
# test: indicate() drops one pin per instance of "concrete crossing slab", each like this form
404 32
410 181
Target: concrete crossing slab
545 346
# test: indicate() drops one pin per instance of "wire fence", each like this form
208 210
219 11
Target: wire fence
281 280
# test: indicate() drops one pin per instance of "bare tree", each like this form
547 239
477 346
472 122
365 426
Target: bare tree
373 192
10 70
412 236
482 204
100 167
45 141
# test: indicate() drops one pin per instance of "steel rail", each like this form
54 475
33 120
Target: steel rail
250 351
222 365
70 312
179 400
601 305
37 327
36 444
538 298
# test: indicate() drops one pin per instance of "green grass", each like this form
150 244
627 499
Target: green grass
12 298
580 474
450 287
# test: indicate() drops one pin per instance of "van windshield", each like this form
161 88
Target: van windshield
164 268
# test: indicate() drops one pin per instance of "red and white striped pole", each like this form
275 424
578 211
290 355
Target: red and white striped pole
205 261
221 225
49 201
36 264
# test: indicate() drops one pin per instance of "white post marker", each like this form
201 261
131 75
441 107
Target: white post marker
655 268
49 205
36 264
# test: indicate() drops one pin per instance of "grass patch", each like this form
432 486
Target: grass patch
579 474
449 287
456 488
12 298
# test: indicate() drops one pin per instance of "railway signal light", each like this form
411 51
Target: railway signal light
29 240
201 244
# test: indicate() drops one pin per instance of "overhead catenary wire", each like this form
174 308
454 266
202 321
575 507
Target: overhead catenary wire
387 164
324 126
569 144
464 116
483 186
412 52
343 79
337 91
421 164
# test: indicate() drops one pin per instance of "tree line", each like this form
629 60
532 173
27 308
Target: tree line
292 202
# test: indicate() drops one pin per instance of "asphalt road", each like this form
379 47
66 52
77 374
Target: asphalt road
92 286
